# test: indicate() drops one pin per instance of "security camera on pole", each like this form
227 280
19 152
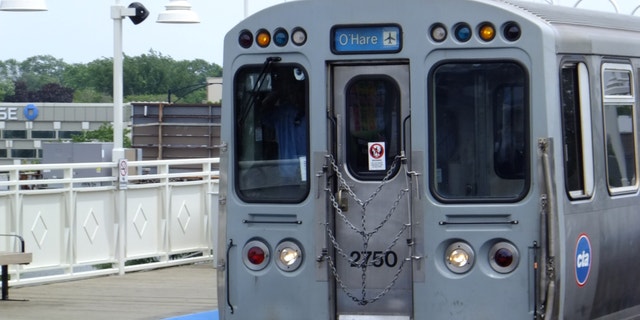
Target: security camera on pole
178 11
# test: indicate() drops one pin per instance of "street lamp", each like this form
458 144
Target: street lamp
178 11
138 13
23 5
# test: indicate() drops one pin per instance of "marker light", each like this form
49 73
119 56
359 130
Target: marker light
511 31
245 39
255 255
263 38
503 257
462 32
459 257
438 32
280 37
289 256
486 31
299 36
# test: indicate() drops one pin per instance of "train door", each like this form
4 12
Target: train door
369 200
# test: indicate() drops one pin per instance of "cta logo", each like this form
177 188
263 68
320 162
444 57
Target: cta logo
583 259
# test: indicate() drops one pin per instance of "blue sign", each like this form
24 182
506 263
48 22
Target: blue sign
583 259
367 39
30 112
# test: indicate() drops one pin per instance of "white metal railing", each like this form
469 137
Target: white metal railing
79 223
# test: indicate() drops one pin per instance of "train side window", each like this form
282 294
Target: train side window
271 133
619 113
576 127
479 131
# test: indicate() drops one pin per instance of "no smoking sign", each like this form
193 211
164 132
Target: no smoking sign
377 160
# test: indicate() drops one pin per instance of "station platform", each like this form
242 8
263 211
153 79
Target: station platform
181 293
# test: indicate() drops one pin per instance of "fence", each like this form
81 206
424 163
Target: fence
78 224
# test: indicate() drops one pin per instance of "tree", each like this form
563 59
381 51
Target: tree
103 134
53 92
149 75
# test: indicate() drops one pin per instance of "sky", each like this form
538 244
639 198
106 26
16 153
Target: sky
80 31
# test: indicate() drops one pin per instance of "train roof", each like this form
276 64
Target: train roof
584 31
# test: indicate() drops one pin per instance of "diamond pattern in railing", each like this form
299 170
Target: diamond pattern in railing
184 216
91 226
39 230
140 221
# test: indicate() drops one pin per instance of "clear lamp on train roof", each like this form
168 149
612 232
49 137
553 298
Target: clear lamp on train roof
459 257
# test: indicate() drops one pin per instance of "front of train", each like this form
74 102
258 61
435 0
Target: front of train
378 161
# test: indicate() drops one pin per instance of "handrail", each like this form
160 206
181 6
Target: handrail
75 226
17 236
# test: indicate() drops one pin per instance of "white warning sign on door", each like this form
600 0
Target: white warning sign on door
377 159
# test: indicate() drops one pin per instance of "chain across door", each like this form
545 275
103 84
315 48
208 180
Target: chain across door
370 191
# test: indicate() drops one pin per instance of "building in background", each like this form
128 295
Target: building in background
160 130
175 131
26 127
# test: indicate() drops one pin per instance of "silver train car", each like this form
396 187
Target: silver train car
461 159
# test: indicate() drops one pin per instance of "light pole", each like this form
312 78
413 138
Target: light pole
177 11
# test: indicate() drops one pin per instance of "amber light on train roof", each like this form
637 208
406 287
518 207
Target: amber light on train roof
263 38
486 31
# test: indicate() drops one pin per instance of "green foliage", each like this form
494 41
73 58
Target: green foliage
91 95
147 77
103 134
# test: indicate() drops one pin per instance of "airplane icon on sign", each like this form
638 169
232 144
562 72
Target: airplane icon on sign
390 38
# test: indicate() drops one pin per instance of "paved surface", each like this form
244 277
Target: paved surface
156 294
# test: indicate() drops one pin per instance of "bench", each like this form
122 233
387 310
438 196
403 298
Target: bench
7 258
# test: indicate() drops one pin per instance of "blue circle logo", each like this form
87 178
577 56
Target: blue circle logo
583 259
30 112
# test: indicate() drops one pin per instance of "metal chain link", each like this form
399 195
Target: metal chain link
366 236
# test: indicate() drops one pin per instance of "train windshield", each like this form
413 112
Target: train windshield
271 132
479 131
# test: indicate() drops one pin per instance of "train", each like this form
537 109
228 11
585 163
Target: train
411 160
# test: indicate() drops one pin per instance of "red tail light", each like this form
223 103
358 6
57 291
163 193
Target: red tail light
255 255
504 257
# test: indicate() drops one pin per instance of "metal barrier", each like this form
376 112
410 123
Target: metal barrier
91 226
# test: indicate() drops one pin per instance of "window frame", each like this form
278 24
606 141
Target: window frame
432 139
243 194
619 100
583 118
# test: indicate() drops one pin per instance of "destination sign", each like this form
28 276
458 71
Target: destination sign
366 39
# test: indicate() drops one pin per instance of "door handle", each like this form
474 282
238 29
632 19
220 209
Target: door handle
343 201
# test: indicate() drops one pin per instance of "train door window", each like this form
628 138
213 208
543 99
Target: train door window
271 133
479 136
619 125
373 118
576 127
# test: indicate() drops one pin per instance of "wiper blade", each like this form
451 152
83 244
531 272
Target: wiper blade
246 108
